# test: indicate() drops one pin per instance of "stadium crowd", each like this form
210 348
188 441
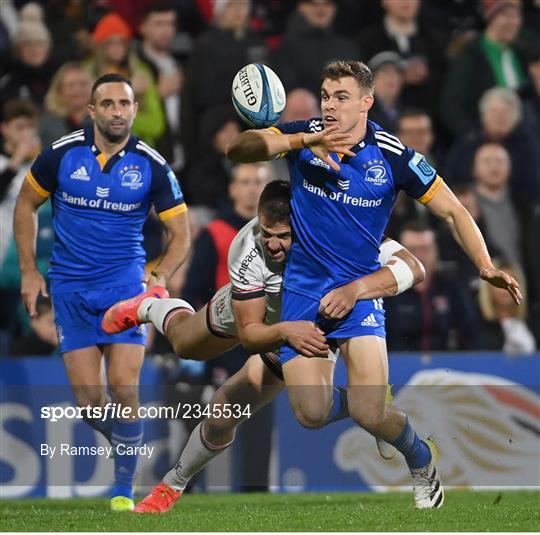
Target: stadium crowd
456 81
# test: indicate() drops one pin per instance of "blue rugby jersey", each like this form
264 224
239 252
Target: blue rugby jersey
99 208
338 219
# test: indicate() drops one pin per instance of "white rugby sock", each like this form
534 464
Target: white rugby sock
156 310
196 454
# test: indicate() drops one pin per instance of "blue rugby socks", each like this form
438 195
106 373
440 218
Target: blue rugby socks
416 452
125 436
103 426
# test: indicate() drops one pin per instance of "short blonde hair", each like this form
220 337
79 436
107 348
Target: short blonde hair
485 301
53 103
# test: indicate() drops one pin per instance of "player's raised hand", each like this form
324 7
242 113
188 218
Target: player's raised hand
500 279
337 303
327 141
306 338
32 284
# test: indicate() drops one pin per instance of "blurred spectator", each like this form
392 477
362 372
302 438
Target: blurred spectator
354 16
490 60
501 113
207 180
309 43
29 74
530 94
208 269
69 22
414 129
436 314
269 19
20 145
402 31
219 53
43 339
491 171
451 253
158 28
66 103
504 323
113 53
388 79
451 18
301 105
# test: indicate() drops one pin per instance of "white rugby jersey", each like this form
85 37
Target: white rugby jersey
252 273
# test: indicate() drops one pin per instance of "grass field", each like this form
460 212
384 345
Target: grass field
463 511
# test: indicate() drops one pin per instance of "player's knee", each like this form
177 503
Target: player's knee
311 416
91 397
126 394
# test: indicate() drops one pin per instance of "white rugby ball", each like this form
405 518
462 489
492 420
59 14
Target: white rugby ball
258 95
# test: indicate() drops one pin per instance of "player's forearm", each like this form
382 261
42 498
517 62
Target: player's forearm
259 337
469 237
382 283
401 271
175 255
25 232
254 145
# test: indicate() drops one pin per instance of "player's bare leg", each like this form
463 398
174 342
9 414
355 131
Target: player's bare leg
367 372
310 388
86 373
251 388
190 338
186 330
123 371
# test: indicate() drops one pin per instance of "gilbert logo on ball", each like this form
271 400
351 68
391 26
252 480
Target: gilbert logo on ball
258 95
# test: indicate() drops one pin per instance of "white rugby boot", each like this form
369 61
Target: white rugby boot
427 485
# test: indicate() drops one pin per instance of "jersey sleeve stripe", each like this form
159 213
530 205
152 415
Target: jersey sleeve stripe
274 130
240 290
247 295
172 212
389 147
151 152
77 133
385 136
34 183
432 191
67 141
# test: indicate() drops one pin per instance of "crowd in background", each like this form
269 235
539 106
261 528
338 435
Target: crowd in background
456 81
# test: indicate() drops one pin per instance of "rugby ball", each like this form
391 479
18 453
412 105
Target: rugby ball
258 95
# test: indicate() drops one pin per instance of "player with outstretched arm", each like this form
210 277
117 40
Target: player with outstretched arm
346 172
248 310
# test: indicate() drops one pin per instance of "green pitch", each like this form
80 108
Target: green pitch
463 511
